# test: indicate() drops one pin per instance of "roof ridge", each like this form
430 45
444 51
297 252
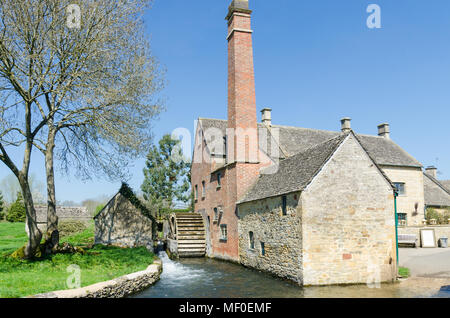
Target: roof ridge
437 182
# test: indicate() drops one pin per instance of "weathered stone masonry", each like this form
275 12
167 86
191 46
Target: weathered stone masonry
281 235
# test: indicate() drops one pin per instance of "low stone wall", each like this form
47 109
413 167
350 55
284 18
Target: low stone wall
172 248
439 231
117 288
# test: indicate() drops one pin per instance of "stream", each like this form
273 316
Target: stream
204 278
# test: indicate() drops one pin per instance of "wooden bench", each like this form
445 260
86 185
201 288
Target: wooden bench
408 239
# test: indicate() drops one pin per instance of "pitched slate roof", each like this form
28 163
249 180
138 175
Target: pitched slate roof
294 173
293 140
446 183
436 194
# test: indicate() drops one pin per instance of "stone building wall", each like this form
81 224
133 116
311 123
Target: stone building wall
281 235
121 223
348 222
412 202
439 231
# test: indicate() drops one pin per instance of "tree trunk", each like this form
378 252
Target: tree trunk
52 218
35 235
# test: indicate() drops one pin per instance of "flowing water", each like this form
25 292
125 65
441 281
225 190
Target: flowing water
203 277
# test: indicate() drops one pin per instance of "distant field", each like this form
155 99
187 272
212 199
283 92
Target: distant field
19 278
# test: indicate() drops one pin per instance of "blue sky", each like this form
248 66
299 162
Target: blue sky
315 62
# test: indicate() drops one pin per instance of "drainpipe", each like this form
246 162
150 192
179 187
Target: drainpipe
396 224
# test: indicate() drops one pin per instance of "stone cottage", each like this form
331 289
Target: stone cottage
325 217
125 221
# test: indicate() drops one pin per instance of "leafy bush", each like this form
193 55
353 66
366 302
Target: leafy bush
441 218
98 208
17 212
68 228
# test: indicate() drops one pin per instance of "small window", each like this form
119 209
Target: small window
196 192
402 219
223 232
209 220
216 214
251 239
284 205
263 249
219 180
203 189
400 187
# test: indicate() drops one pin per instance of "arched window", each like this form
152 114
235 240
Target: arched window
251 239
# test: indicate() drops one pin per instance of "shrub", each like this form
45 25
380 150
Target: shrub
17 212
98 208
69 228
441 218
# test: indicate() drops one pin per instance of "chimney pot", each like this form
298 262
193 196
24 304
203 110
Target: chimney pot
239 4
266 116
346 124
384 130
432 171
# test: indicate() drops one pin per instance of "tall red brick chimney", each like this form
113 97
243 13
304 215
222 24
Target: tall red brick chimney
241 85
242 138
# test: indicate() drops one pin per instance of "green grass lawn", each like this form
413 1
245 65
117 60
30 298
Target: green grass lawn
20 278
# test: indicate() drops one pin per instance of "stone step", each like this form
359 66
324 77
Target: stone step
191 247
190 218
190 221
189 241
191 232
193 250
190 237
190 228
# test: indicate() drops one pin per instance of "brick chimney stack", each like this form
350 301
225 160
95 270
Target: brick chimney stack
432 171
346 125
243 165
384 131
241 84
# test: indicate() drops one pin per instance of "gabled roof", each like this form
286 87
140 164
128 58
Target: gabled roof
446 184
293 140
436 194
294 173
128 193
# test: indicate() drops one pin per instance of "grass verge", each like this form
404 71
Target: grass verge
404 272
20 278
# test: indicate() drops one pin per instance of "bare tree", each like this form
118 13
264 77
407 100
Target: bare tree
91 83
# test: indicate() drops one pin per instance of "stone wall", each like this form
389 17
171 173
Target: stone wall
439 231
117 288
281 235
348 222
121 223
412 202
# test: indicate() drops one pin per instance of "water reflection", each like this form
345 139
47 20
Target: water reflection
202 277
